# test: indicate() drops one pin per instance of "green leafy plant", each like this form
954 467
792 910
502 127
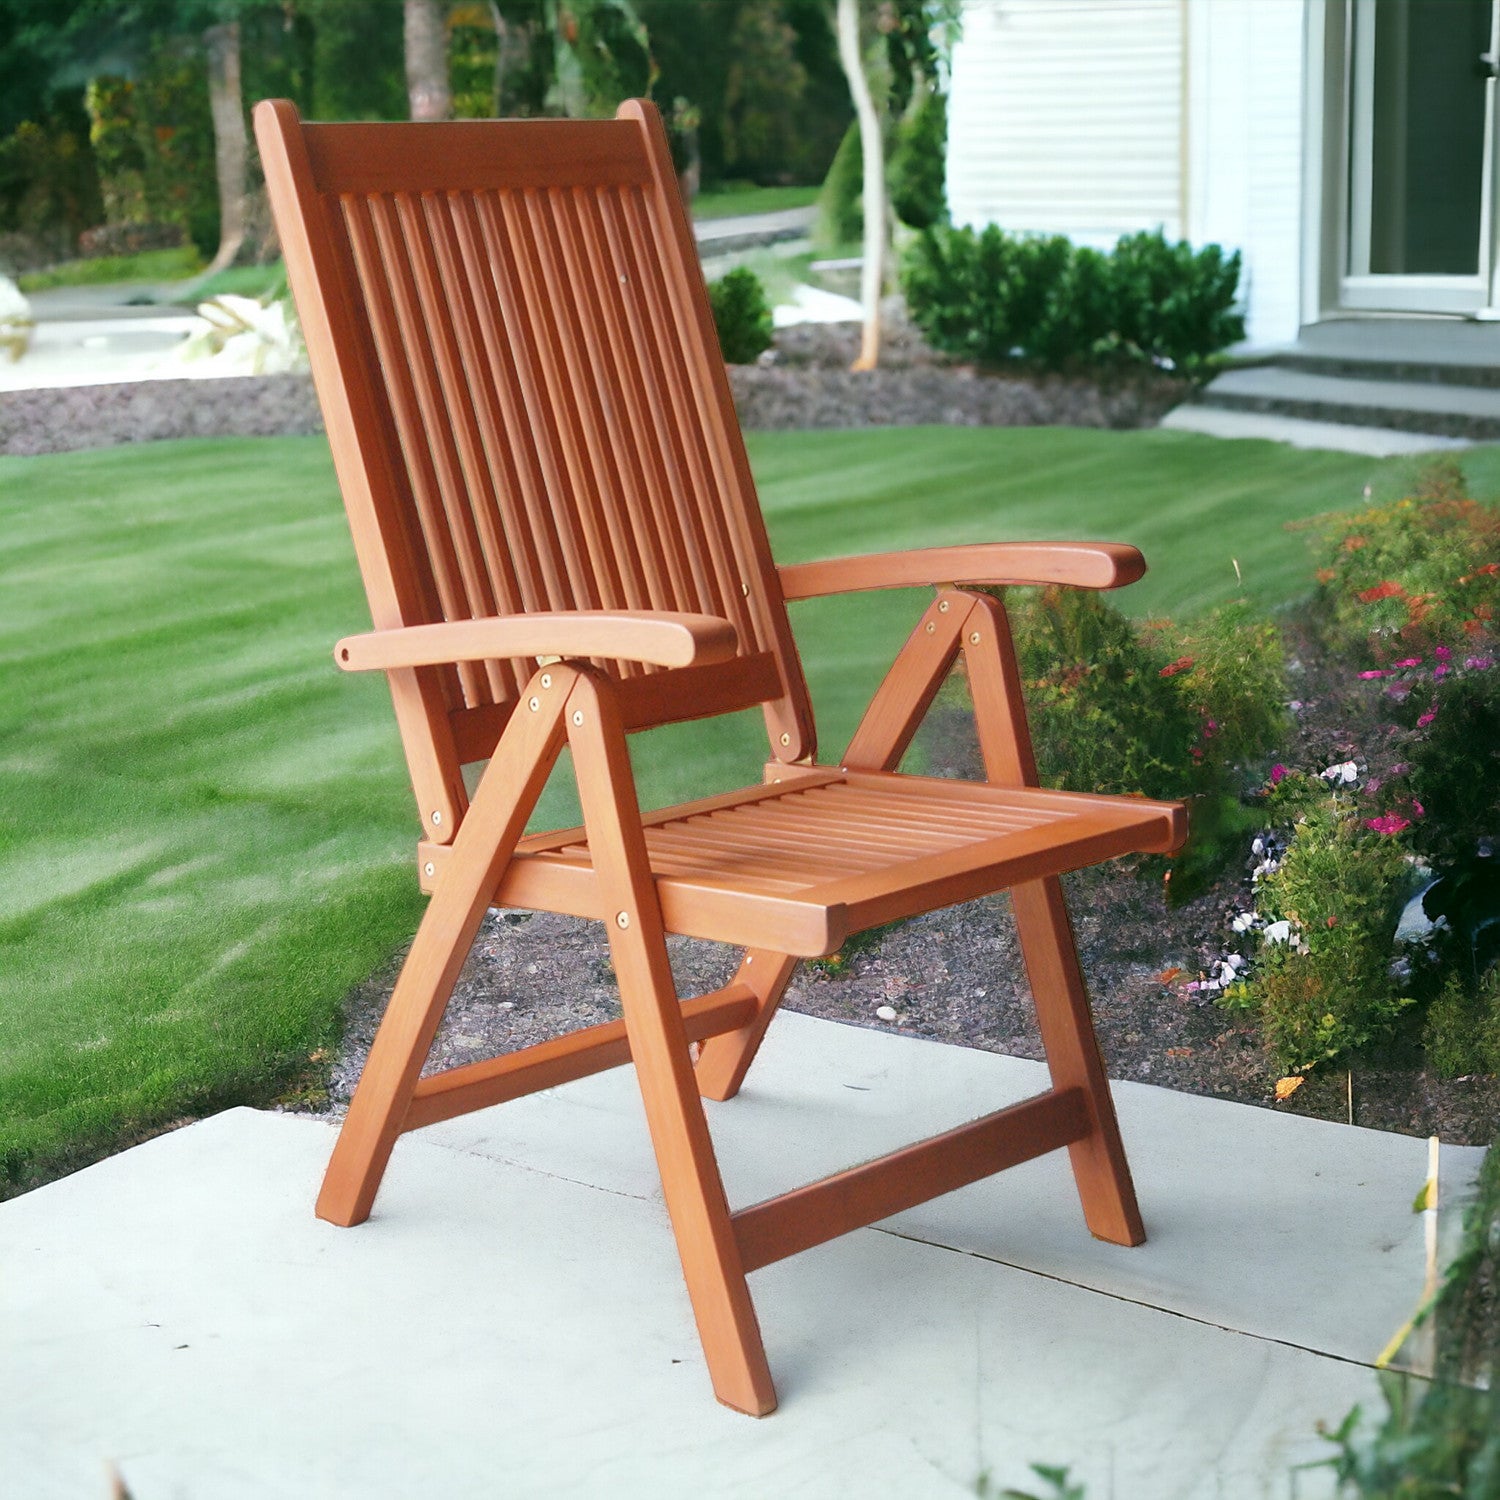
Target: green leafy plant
841 218
1441 1437
995 297
742 315
1404 578
918 197
1322 983
1172 304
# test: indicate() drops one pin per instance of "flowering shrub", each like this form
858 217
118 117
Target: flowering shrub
1327 900
1401 579
1165 710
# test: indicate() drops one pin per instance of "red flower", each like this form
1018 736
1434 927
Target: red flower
1386 590
1182 664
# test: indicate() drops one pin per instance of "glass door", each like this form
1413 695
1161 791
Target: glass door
1421 174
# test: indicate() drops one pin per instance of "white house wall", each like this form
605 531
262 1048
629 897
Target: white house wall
1096 118
1066 116
1244 134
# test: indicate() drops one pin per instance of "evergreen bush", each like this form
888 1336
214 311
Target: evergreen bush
742 316
841 219
915 174
994 297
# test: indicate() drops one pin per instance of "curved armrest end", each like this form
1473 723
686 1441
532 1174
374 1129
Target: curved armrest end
657 638
1087 565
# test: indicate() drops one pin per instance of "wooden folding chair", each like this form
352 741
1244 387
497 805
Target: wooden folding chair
561 543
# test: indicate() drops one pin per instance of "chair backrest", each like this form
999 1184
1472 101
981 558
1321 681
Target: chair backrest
527 407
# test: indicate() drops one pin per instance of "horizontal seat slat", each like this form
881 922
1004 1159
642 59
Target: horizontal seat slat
832 852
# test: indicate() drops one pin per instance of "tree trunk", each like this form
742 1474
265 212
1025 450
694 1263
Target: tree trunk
872 155
426 36
231 148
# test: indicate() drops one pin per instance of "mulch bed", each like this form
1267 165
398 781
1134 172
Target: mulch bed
956 976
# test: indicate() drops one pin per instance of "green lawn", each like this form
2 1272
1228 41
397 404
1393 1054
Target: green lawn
205 832
101 270
745 198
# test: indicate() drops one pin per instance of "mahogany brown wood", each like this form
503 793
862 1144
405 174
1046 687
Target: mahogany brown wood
558 531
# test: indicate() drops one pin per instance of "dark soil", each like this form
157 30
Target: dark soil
956 975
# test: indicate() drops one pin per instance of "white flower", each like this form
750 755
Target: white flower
1341 774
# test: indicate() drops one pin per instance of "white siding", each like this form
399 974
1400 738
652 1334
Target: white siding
1066 116
1245 93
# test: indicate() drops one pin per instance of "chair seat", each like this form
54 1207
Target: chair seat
824 853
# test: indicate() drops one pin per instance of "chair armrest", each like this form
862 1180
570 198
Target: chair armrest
1087 565
656 637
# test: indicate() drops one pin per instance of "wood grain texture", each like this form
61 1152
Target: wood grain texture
657 637
565 1059
1088 565
849 1200
536 441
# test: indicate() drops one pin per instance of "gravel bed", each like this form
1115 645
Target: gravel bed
805 382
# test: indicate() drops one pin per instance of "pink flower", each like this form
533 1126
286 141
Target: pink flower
1411 661
1425 719
1390 823
1440 670
1442 653
1278 773
1479 663
1417 810
1368 675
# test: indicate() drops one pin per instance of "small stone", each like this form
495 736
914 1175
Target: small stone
885 1013
507 1005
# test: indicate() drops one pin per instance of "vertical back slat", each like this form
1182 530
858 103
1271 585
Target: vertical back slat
556 435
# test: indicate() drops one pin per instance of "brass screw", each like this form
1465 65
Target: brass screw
745 589
429 868
437 817
974 639
931 627
546 679
533 704
942 606
786 739
622 919
577 716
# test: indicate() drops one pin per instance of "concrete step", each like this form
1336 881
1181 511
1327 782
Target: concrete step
1445 408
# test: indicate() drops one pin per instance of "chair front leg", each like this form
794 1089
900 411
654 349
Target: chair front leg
691 1184
496 819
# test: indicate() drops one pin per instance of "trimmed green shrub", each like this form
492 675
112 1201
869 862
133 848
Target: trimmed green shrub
1174 305
989 296
994 297
742 315
841 218
915 174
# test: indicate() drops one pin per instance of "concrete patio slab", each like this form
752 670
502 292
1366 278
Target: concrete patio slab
511 1321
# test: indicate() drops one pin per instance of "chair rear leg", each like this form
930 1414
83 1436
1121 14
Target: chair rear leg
1067 1026
724 1060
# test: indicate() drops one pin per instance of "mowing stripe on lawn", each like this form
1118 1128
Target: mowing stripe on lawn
206 834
